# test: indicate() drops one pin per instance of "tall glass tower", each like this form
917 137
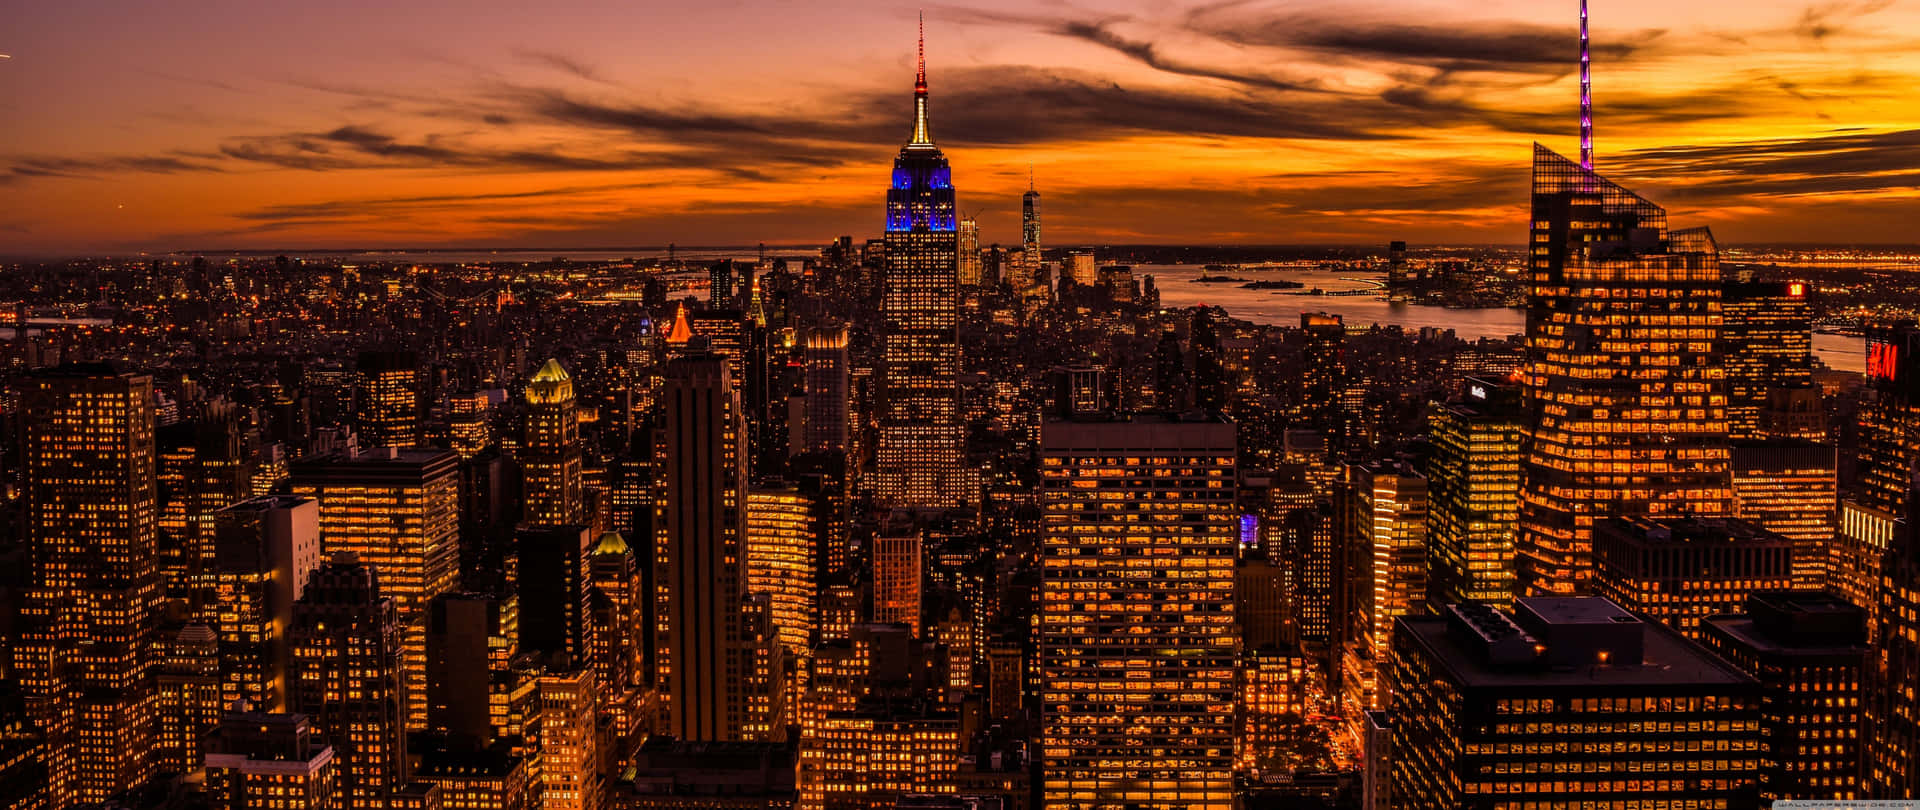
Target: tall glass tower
1626 390
919 460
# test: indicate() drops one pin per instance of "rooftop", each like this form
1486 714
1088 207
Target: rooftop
1667 659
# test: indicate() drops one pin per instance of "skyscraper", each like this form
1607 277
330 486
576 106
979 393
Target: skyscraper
1030 229
1809 651
896 578
1790 486
1139 521
85 656
553 582
1875 512
388 399
1767 344
618 622
1494 709
920 453
551 456
397 511
264 550
782 560
699 578
1678 571
189 703
346 674
569 741
1626 391
969 252
1893 693
1384 508
471 640
1473 486
1316 401
825 353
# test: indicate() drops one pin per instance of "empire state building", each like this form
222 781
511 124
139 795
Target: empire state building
920 455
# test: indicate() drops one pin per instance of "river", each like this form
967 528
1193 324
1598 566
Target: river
1284 307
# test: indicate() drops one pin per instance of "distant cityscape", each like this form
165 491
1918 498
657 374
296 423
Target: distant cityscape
1617 518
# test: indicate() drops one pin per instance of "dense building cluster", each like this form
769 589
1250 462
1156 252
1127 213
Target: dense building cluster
921 523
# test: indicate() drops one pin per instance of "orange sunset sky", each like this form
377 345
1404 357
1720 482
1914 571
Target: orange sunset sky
207 124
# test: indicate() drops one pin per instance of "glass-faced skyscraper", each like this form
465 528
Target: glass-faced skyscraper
919 458
1625 389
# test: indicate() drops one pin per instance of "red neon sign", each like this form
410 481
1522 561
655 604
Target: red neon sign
1883 361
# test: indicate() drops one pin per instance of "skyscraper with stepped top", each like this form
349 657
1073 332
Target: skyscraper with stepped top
920 454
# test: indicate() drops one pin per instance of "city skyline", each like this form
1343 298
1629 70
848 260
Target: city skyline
918 518
1229 123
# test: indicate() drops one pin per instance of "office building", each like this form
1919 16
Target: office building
84 655
1279 688
1875 511
1006 680
550 458
492 778
203 466
1081 268
617 622
1680 571
782 560
397 511
189 705
870 756
552 586
1262 604
1112 733
1566 702
1384 540
472 639
1316 397
920 459
827 425
469 424
969 252
700 453
1790 487
1893 695
345 672
1766 342
1473 491
1809 652
897 571
674 775
569 741
1612 291
272 761
263 551
387 407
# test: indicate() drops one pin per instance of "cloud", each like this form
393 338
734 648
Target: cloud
102 166
1454 47
1821 21
1847 162
1149 54
563 63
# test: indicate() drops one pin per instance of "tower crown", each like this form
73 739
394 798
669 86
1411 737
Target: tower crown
922 136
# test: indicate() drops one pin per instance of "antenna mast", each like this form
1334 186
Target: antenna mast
1586 93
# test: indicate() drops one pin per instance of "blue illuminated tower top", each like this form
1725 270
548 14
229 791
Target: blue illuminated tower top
921 196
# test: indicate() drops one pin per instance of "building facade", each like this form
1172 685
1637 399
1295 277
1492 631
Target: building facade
920 455
1613 295
1138 520
1566 702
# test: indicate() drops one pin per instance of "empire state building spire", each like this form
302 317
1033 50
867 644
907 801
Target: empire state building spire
922 136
